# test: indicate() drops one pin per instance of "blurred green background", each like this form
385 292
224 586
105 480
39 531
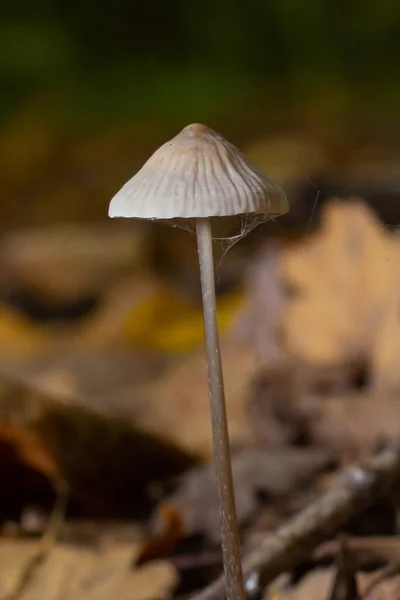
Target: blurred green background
88 89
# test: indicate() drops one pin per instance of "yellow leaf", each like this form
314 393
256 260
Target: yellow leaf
18 335
167 322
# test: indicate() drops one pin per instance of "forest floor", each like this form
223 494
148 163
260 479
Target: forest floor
107 484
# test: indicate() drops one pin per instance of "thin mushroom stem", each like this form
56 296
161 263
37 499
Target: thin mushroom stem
222 457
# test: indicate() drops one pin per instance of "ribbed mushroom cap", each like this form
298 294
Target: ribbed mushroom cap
197 174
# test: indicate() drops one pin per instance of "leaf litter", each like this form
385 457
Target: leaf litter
114 405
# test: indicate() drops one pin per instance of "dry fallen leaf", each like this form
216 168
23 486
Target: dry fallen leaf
314 586
287 402
83 431
345 296
76 573
264 305
89 397
106 327
175 408
90 258
323 406
142 311
318 585
256 473
353 426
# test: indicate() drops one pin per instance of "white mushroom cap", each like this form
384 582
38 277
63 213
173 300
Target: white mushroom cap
197 174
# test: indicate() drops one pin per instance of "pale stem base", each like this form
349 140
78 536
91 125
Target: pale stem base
222 460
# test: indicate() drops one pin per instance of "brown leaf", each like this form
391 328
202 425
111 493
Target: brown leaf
314 586
175 408
287 402
264 307
318 584
90 258
86 434
319 406
106 327
353 426
74 573
346 293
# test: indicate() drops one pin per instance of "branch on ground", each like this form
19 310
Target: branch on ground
283 550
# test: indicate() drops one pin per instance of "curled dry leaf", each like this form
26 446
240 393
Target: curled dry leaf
345 296
95 414
69 420
76 573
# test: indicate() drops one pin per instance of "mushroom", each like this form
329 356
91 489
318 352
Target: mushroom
198 175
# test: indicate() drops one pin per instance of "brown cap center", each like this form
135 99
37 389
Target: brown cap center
196 129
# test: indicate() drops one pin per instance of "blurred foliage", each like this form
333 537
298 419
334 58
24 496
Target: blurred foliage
89 90
181 61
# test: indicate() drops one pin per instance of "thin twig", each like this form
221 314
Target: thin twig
345 582
364 549
45 545
357 489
